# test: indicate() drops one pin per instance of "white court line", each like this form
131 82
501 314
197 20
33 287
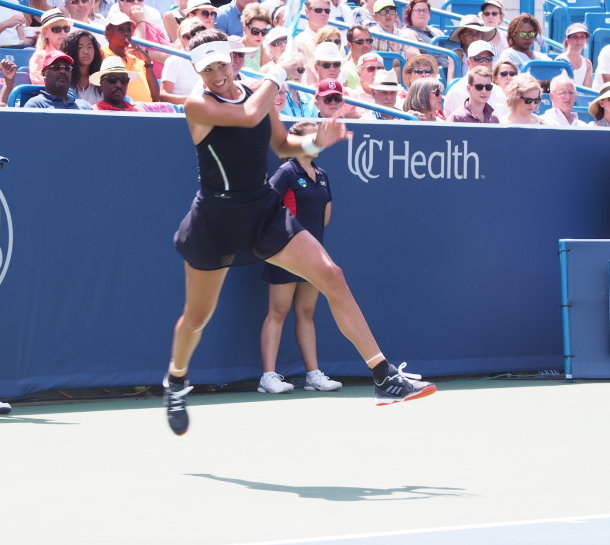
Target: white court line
430 530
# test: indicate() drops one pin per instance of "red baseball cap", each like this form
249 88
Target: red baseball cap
329 87
53 56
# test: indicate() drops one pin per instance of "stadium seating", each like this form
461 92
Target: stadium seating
21 57
545 103
600 39
388 61
22 93
464 7
547 70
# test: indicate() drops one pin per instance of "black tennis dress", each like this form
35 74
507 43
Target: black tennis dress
236 218
307 200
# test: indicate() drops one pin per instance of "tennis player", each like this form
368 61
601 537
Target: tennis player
237 219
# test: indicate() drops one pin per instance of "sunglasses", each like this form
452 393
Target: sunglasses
333 98
60 29
76 2
479 86
257 31
362 40
114 79
530 100
58 67
488 60
491 13
320 10
205 13
384 12
527 34
371 69
421 72
279 41
334 41
436 92
327 65
132 1
512 74
301 70
124 29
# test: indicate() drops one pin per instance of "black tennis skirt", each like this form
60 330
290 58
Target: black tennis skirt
221 232
276 275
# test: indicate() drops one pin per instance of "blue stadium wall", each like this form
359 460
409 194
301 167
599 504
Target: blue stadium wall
447 236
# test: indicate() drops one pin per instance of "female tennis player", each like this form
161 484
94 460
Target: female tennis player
237 219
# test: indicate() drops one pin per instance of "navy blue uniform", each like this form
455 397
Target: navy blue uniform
307 200
236 218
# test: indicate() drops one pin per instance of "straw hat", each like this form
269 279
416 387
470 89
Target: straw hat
386 80
472 22
194 5
52 16
114 66
604 92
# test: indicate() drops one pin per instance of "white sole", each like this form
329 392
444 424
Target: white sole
312 389
261 390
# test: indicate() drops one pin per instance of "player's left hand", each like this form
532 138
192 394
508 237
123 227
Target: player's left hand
331 132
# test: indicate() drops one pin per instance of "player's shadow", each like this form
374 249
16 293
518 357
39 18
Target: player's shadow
345 493
21 420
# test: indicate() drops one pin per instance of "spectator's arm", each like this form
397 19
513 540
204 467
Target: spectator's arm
9 71
11 22
589 75
138 15
451 70
151 77
171 26
408 34
606 78
167 95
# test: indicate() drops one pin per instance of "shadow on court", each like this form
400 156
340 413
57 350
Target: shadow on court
20 420
344 493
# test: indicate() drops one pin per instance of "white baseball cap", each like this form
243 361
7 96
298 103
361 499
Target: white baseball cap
205 54
369 58
476 48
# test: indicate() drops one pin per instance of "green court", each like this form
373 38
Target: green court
312 466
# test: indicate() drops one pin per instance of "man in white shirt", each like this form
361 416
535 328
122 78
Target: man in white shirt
563 97
602 73
10 21
340 11
79 11
317 13
479 54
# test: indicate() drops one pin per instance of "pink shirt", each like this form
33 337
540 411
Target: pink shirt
155 34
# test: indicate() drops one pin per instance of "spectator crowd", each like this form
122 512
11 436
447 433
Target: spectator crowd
108 71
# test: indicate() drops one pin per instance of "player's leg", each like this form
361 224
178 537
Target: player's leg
202 292
280 301
305 257
305 299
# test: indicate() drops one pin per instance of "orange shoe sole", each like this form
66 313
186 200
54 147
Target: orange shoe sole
427 391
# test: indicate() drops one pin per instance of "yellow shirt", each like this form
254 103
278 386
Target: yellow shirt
306 40
138 90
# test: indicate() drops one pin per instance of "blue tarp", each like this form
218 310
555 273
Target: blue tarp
454 266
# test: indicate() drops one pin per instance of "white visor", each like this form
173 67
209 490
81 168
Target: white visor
206 54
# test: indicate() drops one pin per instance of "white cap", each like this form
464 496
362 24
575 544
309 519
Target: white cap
118 19
236 44
194 5
476 48
205 54
275 33
576 28
386 80
368 58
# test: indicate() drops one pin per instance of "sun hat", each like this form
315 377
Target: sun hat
52 16
194 5
111 65
576 28
369 58
274 34
205 54
386 80
472 22
51 57
236 44
496 3
476 48
329 87
380 4
604 92
423 59
119 18
326 52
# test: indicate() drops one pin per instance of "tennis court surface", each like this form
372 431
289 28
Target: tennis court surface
477 463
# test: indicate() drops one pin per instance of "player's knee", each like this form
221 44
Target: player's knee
195 320
278 313
305 312
335 277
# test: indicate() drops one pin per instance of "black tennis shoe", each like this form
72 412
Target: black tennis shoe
5 408
174 398
401 387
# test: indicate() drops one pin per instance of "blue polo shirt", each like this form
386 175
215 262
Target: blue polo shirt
229 20
46 100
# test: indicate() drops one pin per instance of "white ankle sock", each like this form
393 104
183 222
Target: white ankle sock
265 375
312 374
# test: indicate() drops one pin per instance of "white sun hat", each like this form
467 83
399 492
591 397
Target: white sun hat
205 54
194 5
276 33
236 44
386 80
326 52
112 65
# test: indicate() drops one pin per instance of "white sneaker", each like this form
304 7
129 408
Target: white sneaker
319 381
5 408
274 384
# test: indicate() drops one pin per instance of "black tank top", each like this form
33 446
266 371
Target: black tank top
234 158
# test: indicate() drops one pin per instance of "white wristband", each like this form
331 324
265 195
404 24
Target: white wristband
277 75
308 145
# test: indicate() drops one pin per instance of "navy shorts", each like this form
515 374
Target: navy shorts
220 232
